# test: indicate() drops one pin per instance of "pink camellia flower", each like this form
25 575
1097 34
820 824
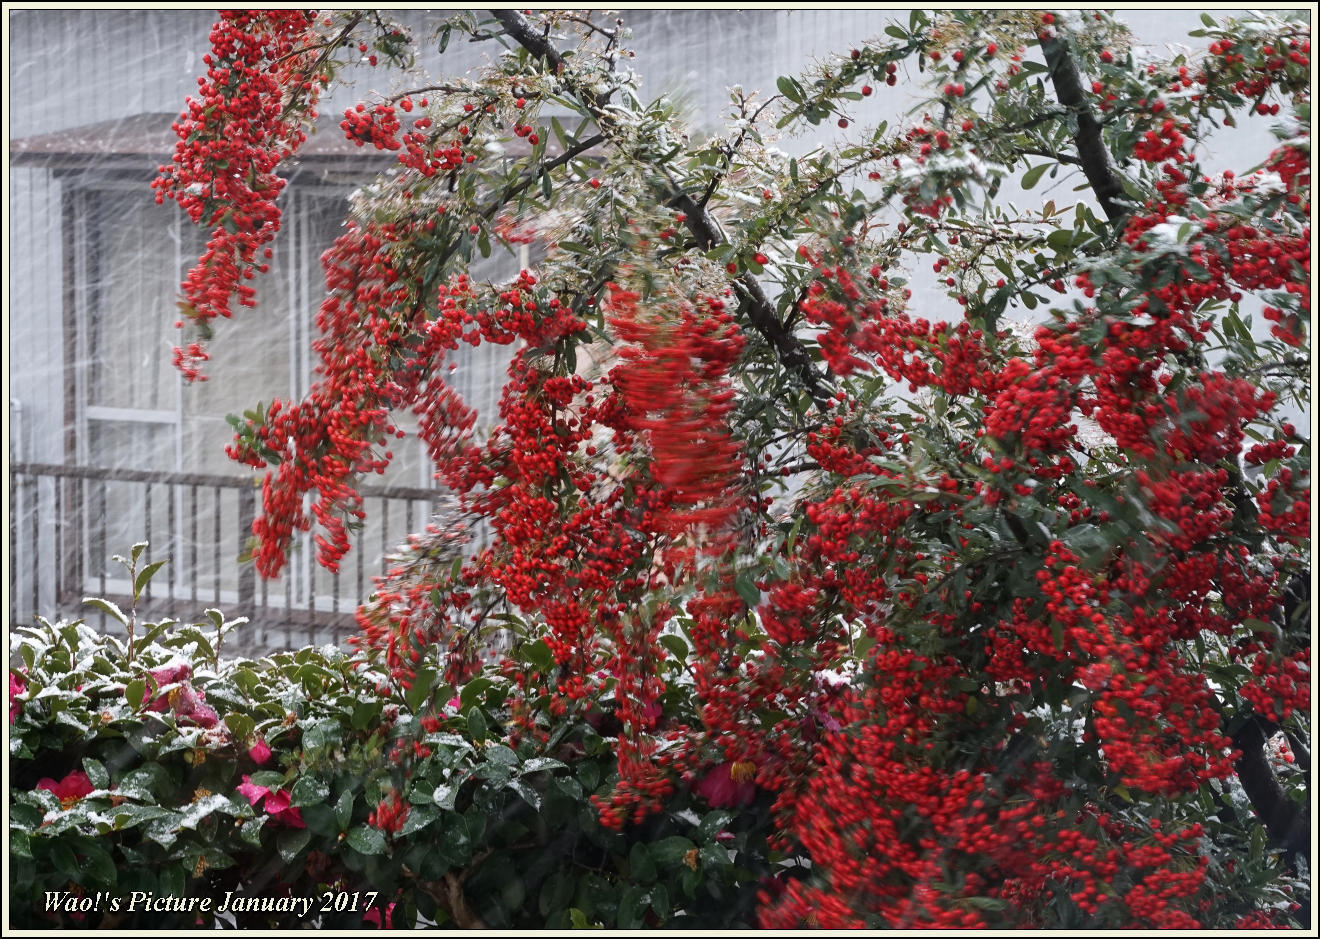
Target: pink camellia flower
728 785
651 711
277 803
160 677
16 687
188 704
373 916
71 789
191 706
259 751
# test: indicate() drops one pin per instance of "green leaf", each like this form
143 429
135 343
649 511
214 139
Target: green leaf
472 691
291 842
588 773
268 779
445 795
419 816
895 31
476 723
538 653
145 575
344 809
309 790
538 763
24 817
675 644
324 733
420 690
246 680
251 830
64 860
240 726
556 891
660 902
670 852
1033 175
20 844
1256 850
366 713
640 863
580 921
788 88
526 792
366 840
632 906
99 869
96 773
713 823
745 584
107 607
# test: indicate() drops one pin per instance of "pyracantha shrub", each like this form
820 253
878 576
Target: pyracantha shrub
995 588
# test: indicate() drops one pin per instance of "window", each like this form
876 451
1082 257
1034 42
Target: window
142 450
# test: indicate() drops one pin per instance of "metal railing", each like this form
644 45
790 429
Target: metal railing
67 521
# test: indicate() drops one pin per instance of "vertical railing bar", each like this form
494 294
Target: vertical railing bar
216 557
334 591
36 547
247 506
100 536
147 535
13 554
361 567
192 540
172 554
58 537
75 524
80 511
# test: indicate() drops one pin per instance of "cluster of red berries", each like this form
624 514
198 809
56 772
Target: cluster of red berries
248 115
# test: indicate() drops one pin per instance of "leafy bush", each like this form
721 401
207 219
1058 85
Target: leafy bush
145 774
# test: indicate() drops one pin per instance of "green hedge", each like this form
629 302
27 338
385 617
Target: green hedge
156 784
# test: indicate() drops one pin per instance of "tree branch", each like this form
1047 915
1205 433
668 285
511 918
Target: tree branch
1093 155
518 29
1287 823
760 311
787 347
